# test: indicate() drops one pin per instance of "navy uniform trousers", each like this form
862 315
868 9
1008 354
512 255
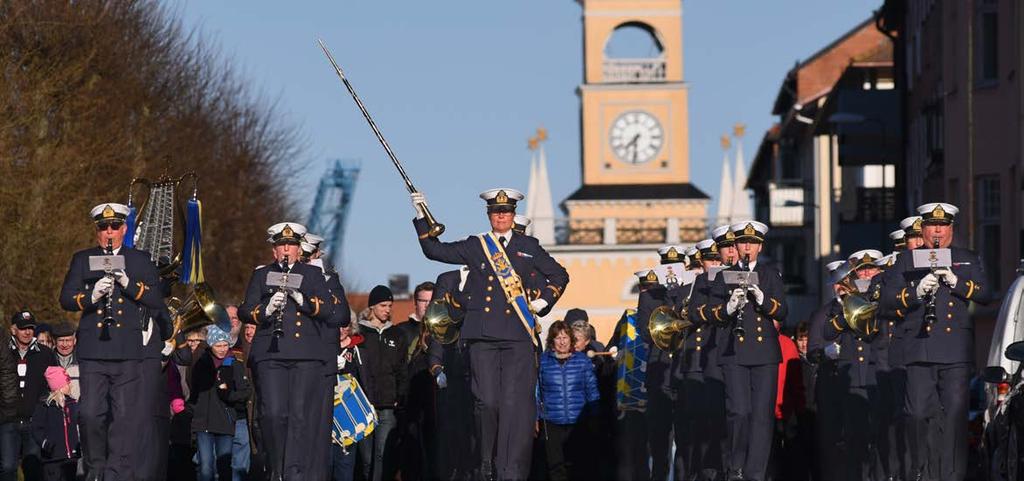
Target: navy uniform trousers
499 379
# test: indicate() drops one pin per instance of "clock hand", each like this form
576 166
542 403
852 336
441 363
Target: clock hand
633 146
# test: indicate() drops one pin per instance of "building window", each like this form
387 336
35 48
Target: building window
989 245
791 256
986 40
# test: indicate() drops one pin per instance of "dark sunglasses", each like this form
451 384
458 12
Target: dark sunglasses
102 226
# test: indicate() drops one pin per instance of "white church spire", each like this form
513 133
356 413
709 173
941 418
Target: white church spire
541 211
725 187
741 203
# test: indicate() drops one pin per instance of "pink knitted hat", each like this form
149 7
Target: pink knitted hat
57 377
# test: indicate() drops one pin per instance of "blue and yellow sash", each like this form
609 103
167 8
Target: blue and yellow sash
511 283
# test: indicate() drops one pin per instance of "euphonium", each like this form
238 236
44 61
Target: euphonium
199 310
858 311
440 323
666 328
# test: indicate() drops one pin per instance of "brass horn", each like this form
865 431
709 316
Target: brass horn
666 327
199 310
439 321
858 311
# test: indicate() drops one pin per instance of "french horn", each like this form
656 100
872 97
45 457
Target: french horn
666 328
440 323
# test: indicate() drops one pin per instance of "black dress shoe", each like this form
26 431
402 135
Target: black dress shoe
735 475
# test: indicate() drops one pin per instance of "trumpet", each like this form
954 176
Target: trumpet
738 330
929 307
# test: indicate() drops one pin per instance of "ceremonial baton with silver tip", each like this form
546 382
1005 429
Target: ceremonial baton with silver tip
435 227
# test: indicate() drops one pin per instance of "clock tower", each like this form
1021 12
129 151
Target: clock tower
636 194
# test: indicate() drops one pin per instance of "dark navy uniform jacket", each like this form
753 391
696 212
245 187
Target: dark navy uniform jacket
341 316
304 326
951 339
700 350
659 362
489 316
761 345
129 304
856 364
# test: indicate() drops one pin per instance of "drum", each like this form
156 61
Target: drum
354 416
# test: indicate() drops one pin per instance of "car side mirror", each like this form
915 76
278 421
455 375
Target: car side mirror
994 375
1015 351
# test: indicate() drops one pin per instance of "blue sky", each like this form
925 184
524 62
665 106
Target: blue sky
458 86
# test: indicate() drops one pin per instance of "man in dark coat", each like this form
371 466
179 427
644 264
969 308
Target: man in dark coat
32 360
933 304
113 306
289 358
500 326
751 353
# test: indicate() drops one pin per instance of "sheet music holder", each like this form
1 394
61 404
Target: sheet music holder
106 263
738 278
284 280
674 275
714 270
929 258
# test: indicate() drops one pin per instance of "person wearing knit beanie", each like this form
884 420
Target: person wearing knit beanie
380 294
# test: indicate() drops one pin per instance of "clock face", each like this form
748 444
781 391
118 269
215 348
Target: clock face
636 137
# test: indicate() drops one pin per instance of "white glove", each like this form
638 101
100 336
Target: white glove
442 380
538 305
736 301
616 355
832 351
947 276
122 278
928 285
102 288
758 294
297 296
276 302
419 202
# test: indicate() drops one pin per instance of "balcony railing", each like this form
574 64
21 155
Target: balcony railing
626 231
628 70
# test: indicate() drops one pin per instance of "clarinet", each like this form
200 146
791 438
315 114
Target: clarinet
279 315
108 319
738 330
929 307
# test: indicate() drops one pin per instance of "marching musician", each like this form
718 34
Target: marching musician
289 365
500 327
939 352
700 406
110 342
855 364
660 389
750 361
520 223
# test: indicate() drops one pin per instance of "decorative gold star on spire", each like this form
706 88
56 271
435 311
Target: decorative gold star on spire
739 129
542 134
532 143
726 143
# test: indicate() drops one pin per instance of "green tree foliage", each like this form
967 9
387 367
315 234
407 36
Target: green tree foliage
95 93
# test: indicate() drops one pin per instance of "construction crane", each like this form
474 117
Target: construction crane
331 206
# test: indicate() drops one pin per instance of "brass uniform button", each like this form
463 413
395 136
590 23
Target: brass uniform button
99 324
298 323
949 329
698 348
860 348
118 324
741 338
487 309
699 329
759 339
929 328
487 299
949 316
698 338
297 335
860 358
120 300
99 311
508 311
490 288
119 312
950 303
490 278
759 329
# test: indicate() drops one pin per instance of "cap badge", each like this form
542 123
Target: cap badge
866 258
108 212
672 254
651 276
917 225
501 198
26 316
749 230
714 247
938 213
730 236
287 232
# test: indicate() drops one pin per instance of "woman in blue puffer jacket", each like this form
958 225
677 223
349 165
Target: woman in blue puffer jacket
568 393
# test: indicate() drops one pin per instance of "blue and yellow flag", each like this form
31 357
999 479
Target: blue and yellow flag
631 372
